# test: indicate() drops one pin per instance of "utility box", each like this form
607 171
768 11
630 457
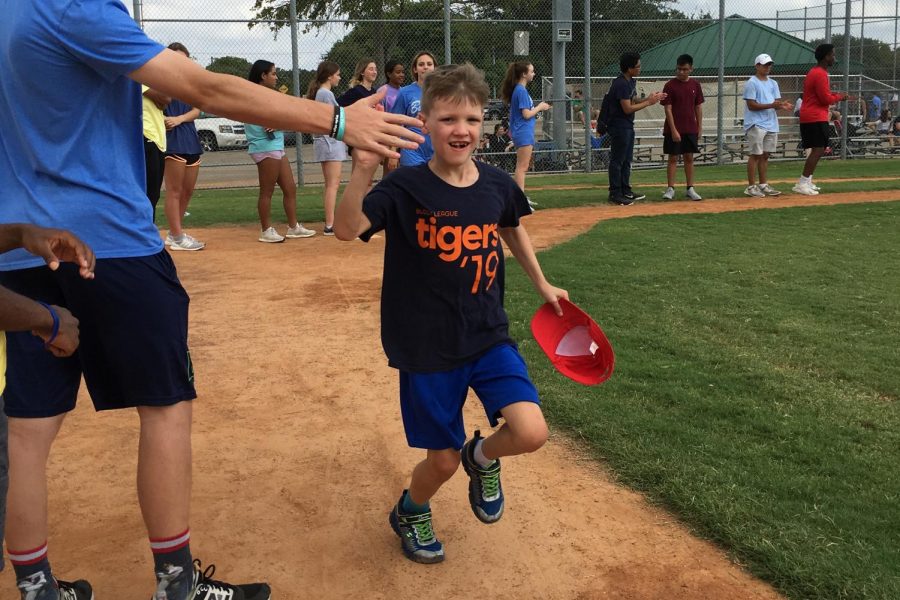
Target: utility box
562 20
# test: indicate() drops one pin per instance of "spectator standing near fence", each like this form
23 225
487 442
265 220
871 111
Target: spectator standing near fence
814 116
684 125
522 114
762 97
622 102
329 152
395 76
153 103
409 101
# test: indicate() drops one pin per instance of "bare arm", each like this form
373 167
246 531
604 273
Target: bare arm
778 104
189 116
226 95
528 113
53 245
158 98
629 106
670 119
349 218
698 110
519 243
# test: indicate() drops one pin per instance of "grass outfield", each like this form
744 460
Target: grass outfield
757 382
220 207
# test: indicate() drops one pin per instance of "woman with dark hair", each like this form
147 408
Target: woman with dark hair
408 102
266 148
183 152
362 84
329 151
395 76
522 113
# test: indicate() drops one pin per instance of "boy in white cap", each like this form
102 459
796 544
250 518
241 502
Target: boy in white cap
763 98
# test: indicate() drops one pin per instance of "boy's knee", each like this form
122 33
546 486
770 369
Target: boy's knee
532 437
444 463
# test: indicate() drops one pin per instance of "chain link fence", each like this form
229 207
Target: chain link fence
575 55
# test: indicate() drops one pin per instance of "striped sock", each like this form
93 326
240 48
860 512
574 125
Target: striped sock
175 550
29 562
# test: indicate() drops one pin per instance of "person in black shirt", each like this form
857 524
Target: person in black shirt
443 325
362 84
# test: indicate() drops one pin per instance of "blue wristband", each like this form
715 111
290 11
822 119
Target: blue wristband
54 331
340 132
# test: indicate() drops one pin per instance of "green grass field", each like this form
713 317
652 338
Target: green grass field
220 207
757 382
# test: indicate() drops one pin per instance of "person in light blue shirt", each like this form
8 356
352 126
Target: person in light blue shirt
408 103
762 98
522 114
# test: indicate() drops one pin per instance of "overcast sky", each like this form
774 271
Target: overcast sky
209 40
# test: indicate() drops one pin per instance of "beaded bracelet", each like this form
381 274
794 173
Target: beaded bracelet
340 132
54 331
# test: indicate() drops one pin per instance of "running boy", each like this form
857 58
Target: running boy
442 320
684 122
763 98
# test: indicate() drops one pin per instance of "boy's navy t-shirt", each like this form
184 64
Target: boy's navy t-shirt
621 89
442 293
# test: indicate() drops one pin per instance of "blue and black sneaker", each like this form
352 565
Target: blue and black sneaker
485 491
416 534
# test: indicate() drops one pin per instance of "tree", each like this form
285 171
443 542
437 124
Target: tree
240 67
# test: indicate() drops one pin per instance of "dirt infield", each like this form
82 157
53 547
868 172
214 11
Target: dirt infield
299 453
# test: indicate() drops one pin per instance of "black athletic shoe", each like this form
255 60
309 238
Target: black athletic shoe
177 584
621 200
38 587
634 197
485 491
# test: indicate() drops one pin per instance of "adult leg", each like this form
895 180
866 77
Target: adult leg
688 159
671 167
189 182
268 170
752 161
809 167
331 171
762 165
626 162
288 190
430 474
164 468
617 148
174 175
523 161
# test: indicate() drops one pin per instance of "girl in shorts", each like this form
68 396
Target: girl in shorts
183 152
328 151
266 148
522 113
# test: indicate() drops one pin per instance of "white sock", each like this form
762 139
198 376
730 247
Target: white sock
806 180
480 458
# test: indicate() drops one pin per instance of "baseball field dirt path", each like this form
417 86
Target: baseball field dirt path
299 454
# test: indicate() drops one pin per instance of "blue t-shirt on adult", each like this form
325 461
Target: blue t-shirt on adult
442 292
409 103
521 130
72 151
621 89
764 92
183 138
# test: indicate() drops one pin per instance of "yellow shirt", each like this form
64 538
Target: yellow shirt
154 123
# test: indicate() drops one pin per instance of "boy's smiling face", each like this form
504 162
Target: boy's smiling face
455 128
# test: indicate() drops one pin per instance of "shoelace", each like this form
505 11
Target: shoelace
67 593
215 590
490 480
422 525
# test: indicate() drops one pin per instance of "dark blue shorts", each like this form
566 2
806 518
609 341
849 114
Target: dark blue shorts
133 322
431 403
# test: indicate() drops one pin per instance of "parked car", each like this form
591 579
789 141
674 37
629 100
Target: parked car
496 110
219 133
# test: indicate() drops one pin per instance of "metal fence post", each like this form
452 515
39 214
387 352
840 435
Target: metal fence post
847 9
586 96
720 108
827 21
139 13
447 45
295 75
896 48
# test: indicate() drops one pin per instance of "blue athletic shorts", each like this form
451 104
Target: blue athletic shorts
133 322
523 139
431 403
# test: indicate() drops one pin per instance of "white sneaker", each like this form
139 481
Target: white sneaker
669 194
299 232
692 194
753 191
187 243
270 236
768 190
805 189
815 187
186 214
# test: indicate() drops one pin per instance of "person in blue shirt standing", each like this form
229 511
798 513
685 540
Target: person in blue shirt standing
622 103
133 317
408 103
522 114
762 98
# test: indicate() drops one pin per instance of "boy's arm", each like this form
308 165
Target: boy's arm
174 74
519 243
670 119
698 110
349 219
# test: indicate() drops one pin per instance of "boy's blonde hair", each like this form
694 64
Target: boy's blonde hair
455 83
